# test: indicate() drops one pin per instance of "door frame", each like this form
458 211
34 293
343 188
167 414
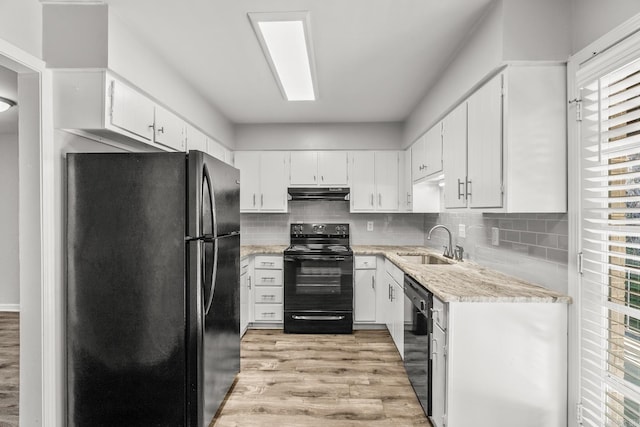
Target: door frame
575 62
40 345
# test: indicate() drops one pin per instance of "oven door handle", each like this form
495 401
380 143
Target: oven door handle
297 317
292 258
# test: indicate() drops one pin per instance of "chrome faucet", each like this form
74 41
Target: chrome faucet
449 252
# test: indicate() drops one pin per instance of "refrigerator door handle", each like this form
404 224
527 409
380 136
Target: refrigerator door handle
213 278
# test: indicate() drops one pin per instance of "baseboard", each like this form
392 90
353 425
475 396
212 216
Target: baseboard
368 326
9 307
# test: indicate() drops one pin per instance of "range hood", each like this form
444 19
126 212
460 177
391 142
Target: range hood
318 193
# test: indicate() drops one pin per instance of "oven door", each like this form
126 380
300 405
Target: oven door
318 282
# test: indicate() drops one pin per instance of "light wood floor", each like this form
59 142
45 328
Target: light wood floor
320 380
9 368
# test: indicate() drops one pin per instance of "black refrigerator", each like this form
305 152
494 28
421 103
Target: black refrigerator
153 247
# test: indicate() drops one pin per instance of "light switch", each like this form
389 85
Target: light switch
495 236
462 231
369 225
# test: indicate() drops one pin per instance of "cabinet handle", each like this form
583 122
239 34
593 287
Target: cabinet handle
267 262
314 178
373 282
249 281
379 199
261 200
389 292
322 178
160 130
254 199
460 193
468 188
268 279
434 352
371 199
408 198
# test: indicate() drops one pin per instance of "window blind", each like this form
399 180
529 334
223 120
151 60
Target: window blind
610 241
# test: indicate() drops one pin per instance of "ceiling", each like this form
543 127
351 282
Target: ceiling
375 59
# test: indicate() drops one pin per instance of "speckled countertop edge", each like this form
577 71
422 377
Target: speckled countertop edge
457 282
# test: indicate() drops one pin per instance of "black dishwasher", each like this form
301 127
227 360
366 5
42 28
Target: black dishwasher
417 329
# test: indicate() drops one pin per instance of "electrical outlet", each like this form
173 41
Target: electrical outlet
369 225
495 236
462 231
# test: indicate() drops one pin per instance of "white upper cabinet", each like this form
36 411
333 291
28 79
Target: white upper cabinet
454 157
304 168
169 129
505 146
196 140
484 146
131 111
406 183
319 168
426 153
333 168
263 180
375 181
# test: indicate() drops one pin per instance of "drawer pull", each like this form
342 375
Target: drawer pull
296 317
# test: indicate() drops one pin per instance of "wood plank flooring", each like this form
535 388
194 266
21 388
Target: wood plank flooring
320 380
9 368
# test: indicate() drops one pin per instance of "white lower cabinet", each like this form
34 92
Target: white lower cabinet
244 295
267 289
394 278
499 364
364 290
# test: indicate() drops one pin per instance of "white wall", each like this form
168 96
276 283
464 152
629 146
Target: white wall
9 247
319 136
592 19
480 53
21 24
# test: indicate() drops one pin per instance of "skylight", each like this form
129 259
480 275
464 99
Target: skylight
285 41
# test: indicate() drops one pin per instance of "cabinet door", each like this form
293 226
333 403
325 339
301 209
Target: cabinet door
438 377
363 177
249 164
398 317
170 129
433 150
196 140
131 111
364 290
273 181
418 159
387 176
304 168
215 149
406 195
455 157
484 155
332 168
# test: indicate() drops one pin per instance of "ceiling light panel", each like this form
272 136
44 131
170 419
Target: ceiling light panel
286 42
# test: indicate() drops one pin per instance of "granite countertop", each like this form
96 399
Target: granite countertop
248 250
456 282
463 281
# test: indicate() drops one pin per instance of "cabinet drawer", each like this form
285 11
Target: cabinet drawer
365 262
268 277
395 272
270 262
268 312
268 294
439 313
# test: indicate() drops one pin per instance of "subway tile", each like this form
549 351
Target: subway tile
558 255
520 224
547 240
536 225
512 236
528 238
505 224
537 251
558 227
563 242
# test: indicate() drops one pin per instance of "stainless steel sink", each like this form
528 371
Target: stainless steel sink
426 259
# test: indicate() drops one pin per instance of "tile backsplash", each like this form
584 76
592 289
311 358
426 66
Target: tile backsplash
388 229
531 246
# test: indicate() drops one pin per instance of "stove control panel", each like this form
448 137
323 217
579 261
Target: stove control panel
318 229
